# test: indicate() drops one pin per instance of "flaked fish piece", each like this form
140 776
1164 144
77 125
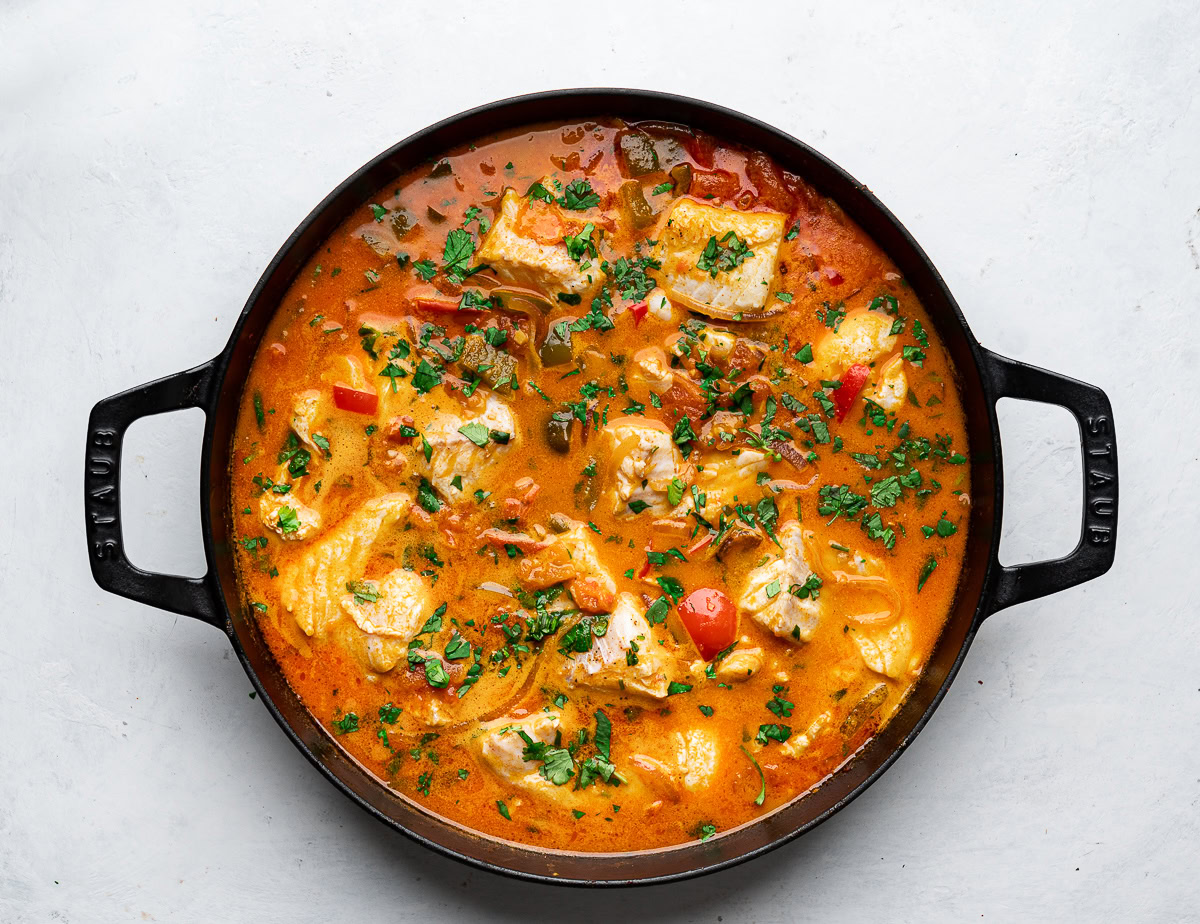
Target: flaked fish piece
688 275
312 588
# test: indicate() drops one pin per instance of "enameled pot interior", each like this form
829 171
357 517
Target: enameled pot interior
666 863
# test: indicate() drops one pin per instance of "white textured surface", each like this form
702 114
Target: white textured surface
153 159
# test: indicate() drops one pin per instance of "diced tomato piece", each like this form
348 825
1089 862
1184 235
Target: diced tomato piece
684 399
355 400
711 620
768 179
400 430
702 147
746 356
834 277
719 184
638 311
852 383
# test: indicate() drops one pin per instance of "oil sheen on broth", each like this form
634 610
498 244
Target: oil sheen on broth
600 487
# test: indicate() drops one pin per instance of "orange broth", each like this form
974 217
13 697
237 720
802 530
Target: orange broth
425 707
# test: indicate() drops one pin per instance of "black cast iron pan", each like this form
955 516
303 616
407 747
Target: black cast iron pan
985 586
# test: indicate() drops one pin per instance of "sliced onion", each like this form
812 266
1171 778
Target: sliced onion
496 588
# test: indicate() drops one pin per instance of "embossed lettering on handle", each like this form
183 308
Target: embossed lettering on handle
103 468
1101 508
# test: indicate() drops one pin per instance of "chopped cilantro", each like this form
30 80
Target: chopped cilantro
762 791
427 498
657 612
779 733
288 521
346 724
578 196
426 377
476 432
930 565
723 256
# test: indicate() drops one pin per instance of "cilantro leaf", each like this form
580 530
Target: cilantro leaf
289 522
578 196
389 713
457 253
723 256
581 244
887 492
457 648
930 566
657 612
427 377
538 191
762 779
476 432
671 587
603 735
346 724
630 276
779 733
427 498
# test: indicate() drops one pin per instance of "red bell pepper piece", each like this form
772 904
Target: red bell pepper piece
354 400
638 311
852 383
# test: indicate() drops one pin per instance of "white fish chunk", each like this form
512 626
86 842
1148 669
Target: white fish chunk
455 454
862 338
525 247
304 415
274 517
729 479
402 599
889 386
651 367
312 588
887 650
766 595
606 664
682 238
718 344
796 745
500 746
659 305
696 753
740 664
383 652
642 460
572 558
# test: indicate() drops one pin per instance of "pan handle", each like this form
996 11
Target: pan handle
102 496
1098 539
